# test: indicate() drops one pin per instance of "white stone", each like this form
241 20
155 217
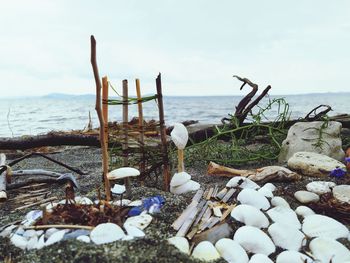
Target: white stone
205 251
324 226
7 231
179 135
242 182
314 164
342 193
134 231
41 242
84 239
293 257
187 187
270 186
118 189
83 200
30 233
329 250
181 243
252 197
123 202
250 216
260 258
286 237
123 172
320 187
231 251
285 216
302 137
19 241
279 201
140 221
266 192
127 238
55 237
304 211
106 233
306 197
32 243
180 179
254 240
135 203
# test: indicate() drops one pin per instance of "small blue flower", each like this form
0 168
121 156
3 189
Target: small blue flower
347 159
337 173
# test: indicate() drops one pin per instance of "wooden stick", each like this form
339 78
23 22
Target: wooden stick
100 118
3 182
36 203
41 227
105 107
166 170
37 172
142 131
180 160
125 134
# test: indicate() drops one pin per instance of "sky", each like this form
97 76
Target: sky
198 45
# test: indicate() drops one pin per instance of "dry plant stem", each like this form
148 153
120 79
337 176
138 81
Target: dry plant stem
219 170
180 158
41 227
166 169
36 203
3 194
125 134
142 131
100 118
105 107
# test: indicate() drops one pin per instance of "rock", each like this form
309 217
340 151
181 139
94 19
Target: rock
260 258
180 179
252 197
254 240
190 186
75 233
286 237
320 187
19 241
324 226
293 257
305 197
7 231
269 186
284 216
41 242
106 233
304 211
205 251
242 182
123 202
84 239
83 200
118 189
266 191
55 237
279 201
32 243
135 203
140 221
342 193
231 251
302 137
181 243
250 216
329 250
134 231
50 231
313 164
123 172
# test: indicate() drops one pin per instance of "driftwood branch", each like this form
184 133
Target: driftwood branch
100 118
3 181
314 116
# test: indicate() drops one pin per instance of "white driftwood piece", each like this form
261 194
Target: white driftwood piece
3 194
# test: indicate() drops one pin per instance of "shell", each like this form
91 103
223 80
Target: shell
181 243
140 221
118 189
320 187
19 241
134 231
123 172
250 216
284 216
305 197
254 240
252 197
190 186
231 251
304 211
205 251
286 237
279 201
293 257
342 193
260 258
242 182
180 179
324 226
84 239
179 135
55 237
106 233
329 250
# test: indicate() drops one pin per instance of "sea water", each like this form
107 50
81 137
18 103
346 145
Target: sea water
38 115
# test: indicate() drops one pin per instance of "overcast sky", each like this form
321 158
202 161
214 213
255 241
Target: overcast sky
296 46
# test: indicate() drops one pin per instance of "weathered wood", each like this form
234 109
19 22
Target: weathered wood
36 203
36 172
180 160
125 134
3 181
222 193
100 118
214 234
42 227
105 107
228 195
227 212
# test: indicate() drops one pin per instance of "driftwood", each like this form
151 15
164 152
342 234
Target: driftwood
3 180
41 227
214 234
313 115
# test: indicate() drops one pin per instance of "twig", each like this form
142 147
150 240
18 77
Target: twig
36 203
319 115
41 227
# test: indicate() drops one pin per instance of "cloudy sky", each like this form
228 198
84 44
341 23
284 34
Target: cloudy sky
197 45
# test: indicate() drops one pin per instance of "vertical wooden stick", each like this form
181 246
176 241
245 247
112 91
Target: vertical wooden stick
180 160
100 118
166 171
105 107
141 128
3 194
125 132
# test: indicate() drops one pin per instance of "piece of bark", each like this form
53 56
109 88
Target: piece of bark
222 193
228 195
3 181
214 234
227 212
210 192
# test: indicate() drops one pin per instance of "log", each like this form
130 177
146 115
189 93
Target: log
3 181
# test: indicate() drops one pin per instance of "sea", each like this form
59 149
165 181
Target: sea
58 112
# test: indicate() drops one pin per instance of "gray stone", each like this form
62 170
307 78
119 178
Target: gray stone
305 197
303 135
